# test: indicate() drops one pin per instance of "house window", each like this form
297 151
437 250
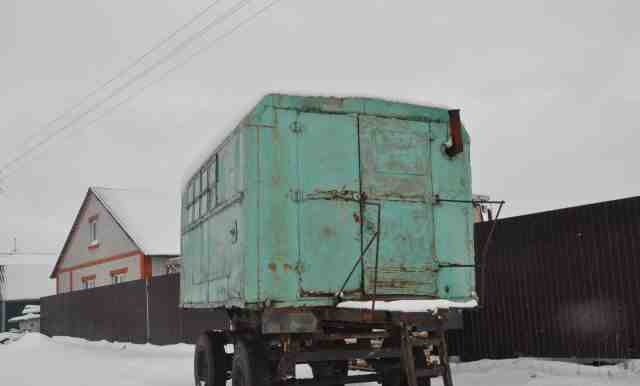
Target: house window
119 275
93 230
117 278
89 282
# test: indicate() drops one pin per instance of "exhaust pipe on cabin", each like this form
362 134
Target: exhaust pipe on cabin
455 130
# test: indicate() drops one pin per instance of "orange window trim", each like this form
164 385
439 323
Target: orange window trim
87 278
100 261
119 271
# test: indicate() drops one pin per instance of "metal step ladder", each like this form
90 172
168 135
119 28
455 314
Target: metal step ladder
407 360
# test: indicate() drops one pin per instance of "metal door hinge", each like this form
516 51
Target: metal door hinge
234 232
296 195
296 127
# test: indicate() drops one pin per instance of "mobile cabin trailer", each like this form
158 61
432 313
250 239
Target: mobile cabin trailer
314 201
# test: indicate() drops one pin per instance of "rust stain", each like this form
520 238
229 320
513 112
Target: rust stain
273 267
408 284
287 267
328 232
310 293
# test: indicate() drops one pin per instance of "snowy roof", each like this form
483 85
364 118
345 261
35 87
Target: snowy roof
206 149
151 219
24 317
27 276
31 309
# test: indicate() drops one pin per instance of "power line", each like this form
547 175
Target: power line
127 84
180 64
28 253
172 69
121 72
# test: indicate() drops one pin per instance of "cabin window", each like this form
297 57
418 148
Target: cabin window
201 193
197 189
213 182
204 199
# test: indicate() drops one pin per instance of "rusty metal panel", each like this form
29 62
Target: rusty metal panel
395 163
327 155
275 215
562 283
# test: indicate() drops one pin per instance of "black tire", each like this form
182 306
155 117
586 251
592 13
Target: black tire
330 369
250 365
210 361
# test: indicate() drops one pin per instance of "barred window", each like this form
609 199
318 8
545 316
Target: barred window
201 194
213 182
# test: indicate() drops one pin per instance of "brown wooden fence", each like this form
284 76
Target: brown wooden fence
127 312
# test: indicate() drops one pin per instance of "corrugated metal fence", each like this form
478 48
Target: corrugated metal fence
563 283
119 313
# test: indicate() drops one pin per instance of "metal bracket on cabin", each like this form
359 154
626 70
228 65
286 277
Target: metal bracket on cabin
234 232
437 199
296 127
296 195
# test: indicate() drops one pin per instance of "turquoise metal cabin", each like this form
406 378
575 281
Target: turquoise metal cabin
277 216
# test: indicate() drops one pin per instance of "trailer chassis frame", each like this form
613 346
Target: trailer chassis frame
384 345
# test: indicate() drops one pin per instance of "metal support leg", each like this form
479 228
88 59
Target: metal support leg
443 354
407 360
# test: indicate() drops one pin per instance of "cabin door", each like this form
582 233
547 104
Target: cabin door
328 178
395 165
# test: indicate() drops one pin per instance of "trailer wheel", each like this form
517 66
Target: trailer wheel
330 369
209 362
250 365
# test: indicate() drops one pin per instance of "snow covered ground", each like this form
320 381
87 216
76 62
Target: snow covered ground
39 360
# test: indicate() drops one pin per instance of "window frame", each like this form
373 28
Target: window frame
118 278
213 182
93 230
89 282
201 192
118 275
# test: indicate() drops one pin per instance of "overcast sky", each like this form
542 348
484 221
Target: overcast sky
547 89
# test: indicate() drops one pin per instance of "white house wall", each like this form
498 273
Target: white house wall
158 265
64 282
103 271
114 251
112 240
